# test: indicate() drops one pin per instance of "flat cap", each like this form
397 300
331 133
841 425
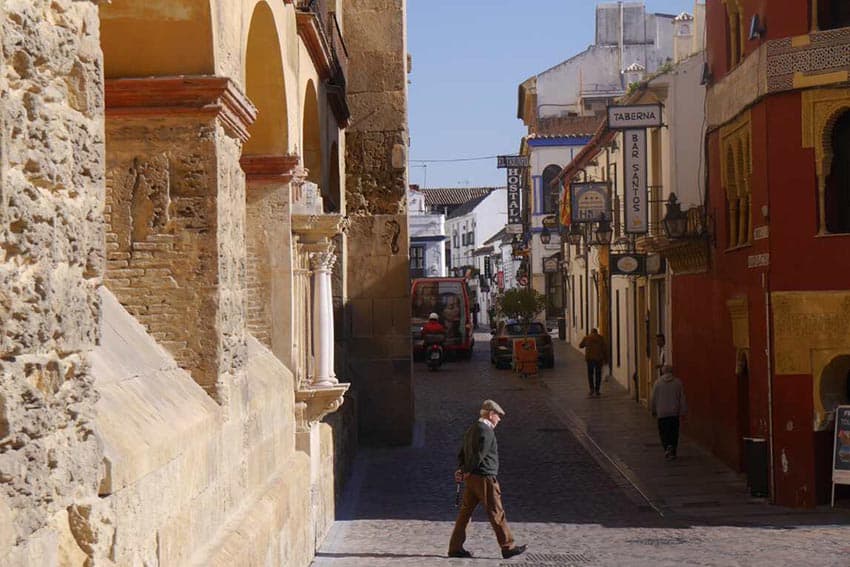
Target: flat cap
490 405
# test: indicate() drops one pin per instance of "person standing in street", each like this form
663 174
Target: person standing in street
594 355
478 467
668 405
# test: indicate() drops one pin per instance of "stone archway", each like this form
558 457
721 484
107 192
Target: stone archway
265 86
311 138
268 168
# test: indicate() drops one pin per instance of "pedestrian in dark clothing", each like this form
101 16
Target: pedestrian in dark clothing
594 355
478 467
668 405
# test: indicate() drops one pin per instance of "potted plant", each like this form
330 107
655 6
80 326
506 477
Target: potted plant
522 305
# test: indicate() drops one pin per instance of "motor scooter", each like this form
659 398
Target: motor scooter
434 350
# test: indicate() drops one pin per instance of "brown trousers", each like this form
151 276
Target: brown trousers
486 490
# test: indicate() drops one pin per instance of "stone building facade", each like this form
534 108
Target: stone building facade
174 180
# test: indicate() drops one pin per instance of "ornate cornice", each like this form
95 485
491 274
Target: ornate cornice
314 227
203 95
313 404
310 30
269 168
817 59
689 256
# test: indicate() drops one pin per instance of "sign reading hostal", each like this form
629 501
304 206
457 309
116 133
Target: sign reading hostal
514 190
634 116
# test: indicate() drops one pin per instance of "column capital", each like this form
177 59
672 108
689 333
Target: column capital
269 168
322 261
207 96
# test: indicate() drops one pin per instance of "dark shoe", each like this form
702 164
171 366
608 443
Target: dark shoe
508 553
460 553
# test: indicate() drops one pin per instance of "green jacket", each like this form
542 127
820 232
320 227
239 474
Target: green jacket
480 451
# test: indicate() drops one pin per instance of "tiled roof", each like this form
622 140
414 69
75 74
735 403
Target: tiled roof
496 237
437 196
467 206
561 126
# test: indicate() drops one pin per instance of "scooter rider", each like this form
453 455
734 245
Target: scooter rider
433 326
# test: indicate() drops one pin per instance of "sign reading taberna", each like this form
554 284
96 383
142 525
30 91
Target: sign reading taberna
628 264
634 116
590 202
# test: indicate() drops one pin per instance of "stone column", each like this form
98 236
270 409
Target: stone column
323 321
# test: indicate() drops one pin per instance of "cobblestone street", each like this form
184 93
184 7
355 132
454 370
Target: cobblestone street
573 503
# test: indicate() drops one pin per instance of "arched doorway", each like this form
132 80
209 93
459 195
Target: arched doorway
832 390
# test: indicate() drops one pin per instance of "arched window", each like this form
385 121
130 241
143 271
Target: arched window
837 195
550 194
833 14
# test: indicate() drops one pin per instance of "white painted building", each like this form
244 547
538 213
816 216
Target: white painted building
471 224
427 238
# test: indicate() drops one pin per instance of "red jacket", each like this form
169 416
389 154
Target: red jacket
433 328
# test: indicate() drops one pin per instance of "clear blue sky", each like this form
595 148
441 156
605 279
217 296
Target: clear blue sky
469 56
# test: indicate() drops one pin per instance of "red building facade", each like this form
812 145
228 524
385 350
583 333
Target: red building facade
761 337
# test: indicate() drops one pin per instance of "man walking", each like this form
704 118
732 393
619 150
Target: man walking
668 404
478 465
594 355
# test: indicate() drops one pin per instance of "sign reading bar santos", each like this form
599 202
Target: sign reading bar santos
634 116
637 205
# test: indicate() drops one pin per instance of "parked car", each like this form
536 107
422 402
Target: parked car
501 344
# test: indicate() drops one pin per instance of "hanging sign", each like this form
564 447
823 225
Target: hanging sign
514 209
628 264
552 264
503 162
590 202
636 196
634 116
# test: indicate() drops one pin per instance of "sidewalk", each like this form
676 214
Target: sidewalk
696 487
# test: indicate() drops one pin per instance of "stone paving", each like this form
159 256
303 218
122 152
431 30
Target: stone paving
572 491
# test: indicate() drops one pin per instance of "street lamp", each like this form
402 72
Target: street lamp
675 220
604 232
545 236
575 235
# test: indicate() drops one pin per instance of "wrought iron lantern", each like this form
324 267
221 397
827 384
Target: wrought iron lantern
575 235
604 232
545 236
675 220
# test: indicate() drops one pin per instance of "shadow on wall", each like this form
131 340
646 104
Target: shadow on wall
4 422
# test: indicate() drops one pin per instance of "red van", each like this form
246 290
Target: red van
449 299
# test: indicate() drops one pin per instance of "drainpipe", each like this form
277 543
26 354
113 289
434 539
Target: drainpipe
768 351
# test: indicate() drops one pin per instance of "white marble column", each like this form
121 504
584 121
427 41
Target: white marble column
323 322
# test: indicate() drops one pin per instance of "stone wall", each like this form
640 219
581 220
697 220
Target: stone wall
376 183
51 261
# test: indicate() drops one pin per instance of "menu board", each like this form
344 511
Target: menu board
841 454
